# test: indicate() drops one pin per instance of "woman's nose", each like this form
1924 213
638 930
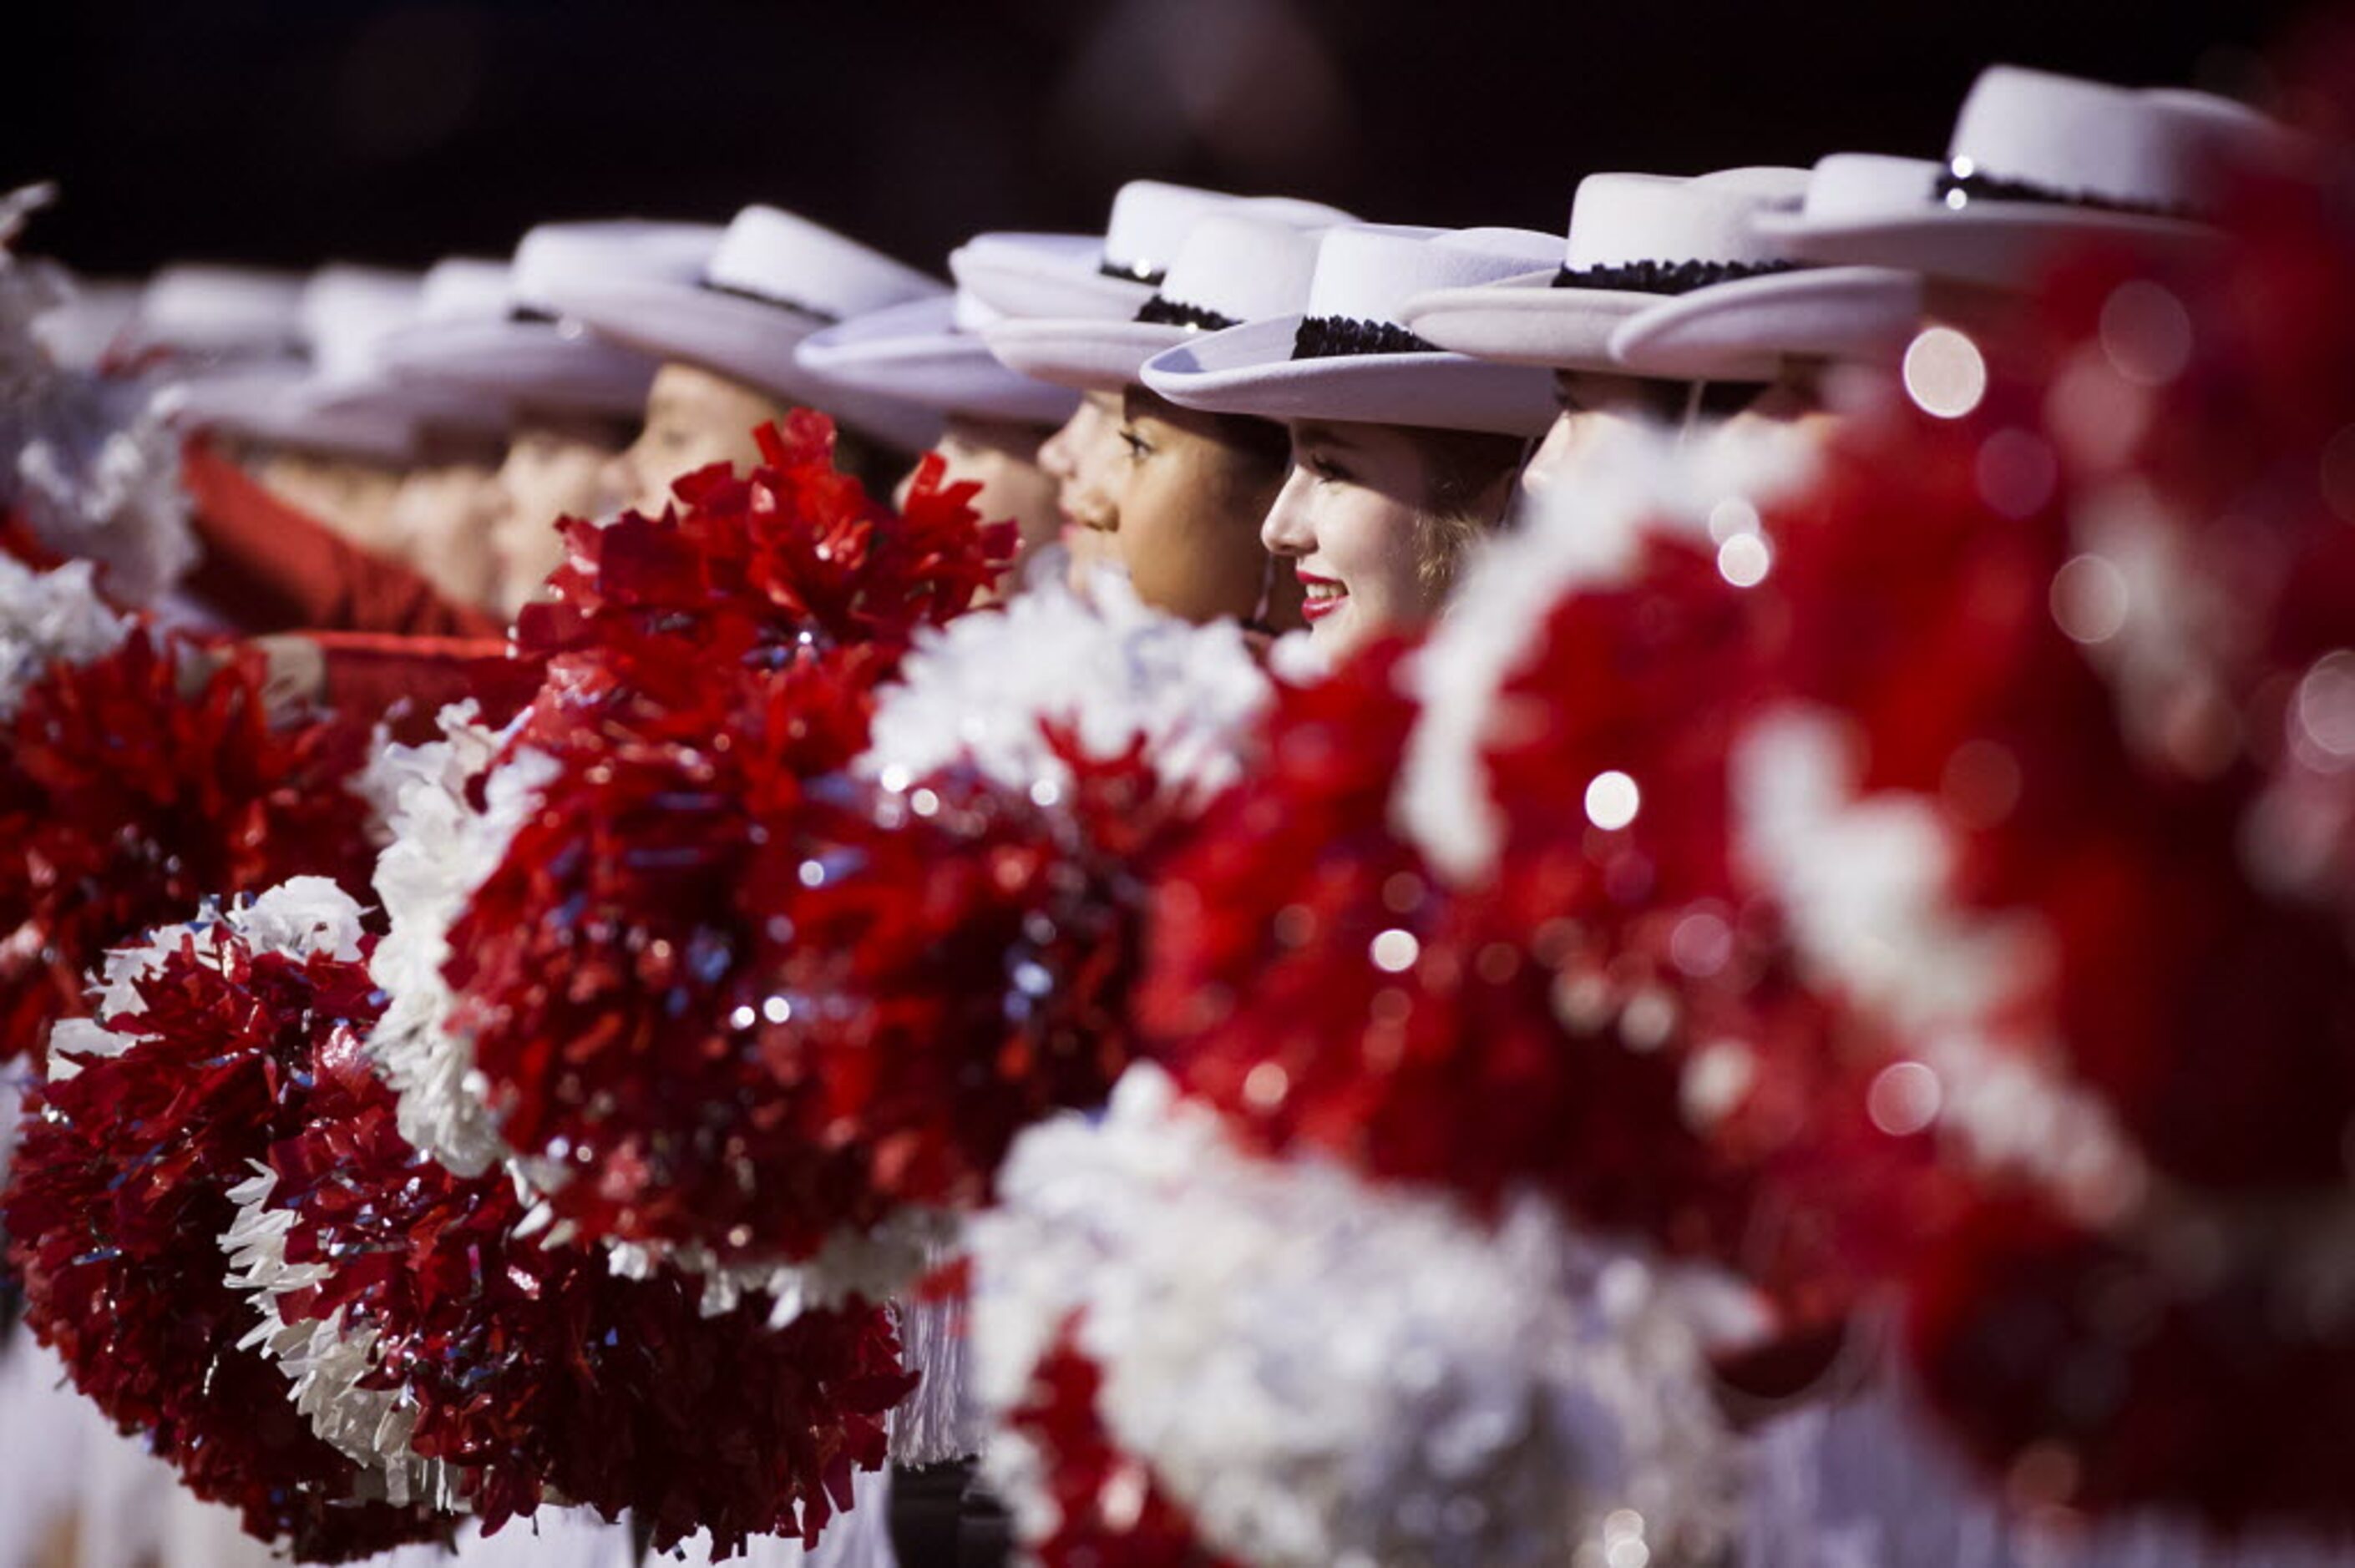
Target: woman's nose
1059 453
1545 465
1285 531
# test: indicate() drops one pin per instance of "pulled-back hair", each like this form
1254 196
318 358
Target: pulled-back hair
1263 444
1462 470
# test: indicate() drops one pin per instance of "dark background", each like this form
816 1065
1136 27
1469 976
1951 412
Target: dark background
290 132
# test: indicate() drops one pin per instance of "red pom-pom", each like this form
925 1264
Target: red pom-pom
609 972
960 967
790 558
1312 976
536 1373
118 1201
709 670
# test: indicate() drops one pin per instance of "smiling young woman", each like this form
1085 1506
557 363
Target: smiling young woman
1171 496
1400 455
1375 520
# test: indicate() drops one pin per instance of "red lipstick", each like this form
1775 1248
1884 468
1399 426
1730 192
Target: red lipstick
1325 596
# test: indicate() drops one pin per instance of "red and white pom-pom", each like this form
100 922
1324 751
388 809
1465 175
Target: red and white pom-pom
955 959
1315 1370
1866 880
427 1337
1563 1025
608 974
210 1040
2050 797
962 951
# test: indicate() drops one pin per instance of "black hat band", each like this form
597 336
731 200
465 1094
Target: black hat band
1340 337
1664 277
1163 311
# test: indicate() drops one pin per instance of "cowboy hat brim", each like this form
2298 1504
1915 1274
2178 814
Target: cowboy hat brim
1249 369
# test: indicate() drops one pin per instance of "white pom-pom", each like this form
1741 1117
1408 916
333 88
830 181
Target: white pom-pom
1632 482
442 851
50 618
982 690
1320 1370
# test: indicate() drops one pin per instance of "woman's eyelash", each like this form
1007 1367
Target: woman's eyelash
1137 445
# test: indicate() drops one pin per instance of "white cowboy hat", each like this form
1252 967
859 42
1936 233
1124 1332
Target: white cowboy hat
2037 162
930 352
1067 276
1234 267
219 313
1748 329
1346 356
1751 329
351 314
772 279
1633 238
496 330
342 402
348 312
273 404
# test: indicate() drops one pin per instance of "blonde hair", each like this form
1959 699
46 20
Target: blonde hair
1462 470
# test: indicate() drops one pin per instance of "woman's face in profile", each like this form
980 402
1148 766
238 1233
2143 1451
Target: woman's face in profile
1351 523
1192 497
1083 457
694 418
1595 405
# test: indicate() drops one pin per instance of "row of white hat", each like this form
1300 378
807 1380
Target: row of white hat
1722 276
580 319
576 323
1251 305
